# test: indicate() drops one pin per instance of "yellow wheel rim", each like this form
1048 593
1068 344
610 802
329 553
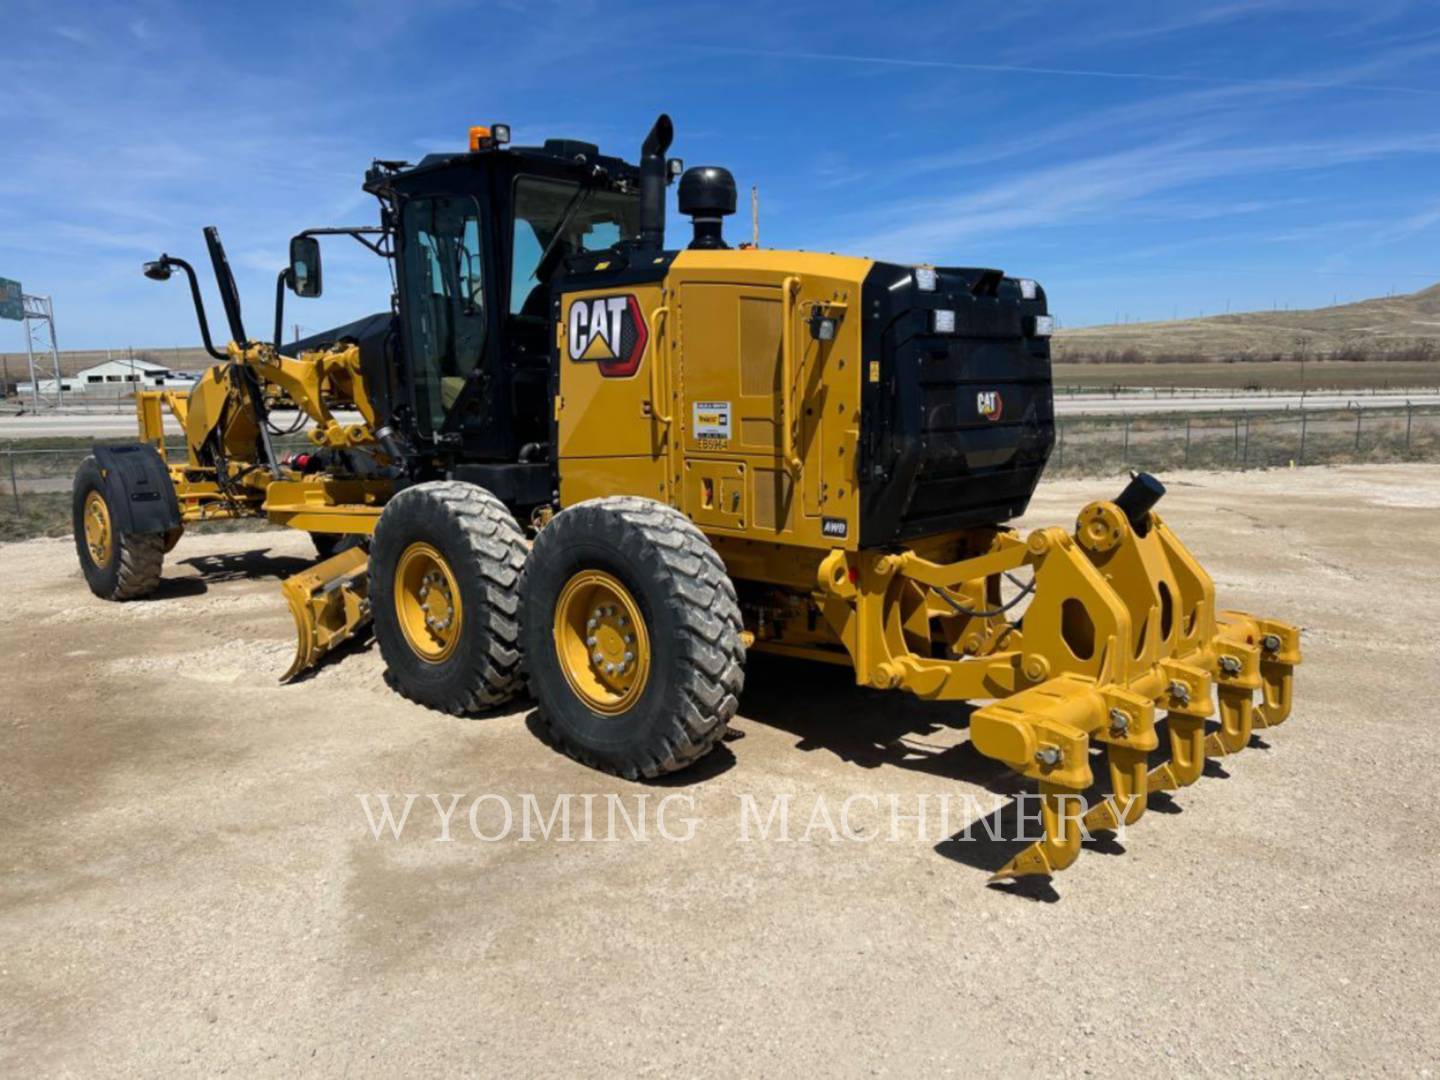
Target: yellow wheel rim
98 537
427 603
602 643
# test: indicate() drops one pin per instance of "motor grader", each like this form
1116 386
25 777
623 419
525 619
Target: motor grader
573 459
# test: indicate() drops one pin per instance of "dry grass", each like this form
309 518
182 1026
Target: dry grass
1390 327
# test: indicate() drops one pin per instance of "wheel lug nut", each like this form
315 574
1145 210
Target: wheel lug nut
592 624
590 641
598 657
629 656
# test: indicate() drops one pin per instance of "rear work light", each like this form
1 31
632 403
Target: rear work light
1027 289
944 321
925 278
1040 325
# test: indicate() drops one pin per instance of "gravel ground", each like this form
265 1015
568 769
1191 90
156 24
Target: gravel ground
188 882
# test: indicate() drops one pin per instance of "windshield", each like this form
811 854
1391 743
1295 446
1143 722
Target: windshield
596 220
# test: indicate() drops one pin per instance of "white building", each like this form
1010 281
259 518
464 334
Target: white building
114 378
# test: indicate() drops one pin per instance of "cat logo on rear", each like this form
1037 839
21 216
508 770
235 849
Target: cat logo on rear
989 404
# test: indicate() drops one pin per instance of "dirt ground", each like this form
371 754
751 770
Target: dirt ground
189 884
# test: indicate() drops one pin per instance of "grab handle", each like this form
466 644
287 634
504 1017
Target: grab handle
659 357
788 289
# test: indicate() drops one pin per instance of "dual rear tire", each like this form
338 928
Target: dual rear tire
623 613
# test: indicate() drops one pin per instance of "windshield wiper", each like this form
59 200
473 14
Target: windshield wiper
571 207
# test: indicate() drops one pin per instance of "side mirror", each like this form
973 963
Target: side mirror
304 277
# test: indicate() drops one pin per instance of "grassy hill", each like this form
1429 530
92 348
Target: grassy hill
1399 328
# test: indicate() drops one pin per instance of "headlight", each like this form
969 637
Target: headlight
925 278
944 321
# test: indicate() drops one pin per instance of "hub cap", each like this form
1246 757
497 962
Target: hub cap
602 643
98 537
427 603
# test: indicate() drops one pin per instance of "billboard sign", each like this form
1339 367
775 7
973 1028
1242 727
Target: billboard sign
11 306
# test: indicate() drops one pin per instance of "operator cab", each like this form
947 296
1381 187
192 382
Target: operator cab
461 366
478 238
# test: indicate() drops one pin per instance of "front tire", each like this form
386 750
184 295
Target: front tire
116 565
445 567
631 634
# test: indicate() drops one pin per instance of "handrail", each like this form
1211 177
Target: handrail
659 355
788 288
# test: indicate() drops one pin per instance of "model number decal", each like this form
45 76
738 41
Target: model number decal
710 422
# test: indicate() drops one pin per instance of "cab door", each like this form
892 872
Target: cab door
447 321
613 411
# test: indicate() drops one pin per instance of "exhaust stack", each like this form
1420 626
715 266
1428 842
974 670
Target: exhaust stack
652 182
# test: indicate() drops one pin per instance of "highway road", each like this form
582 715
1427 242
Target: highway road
113 425
102 425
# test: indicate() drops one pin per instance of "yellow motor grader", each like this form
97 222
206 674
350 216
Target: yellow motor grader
571 458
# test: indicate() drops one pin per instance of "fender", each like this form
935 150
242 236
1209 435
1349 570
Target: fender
138 488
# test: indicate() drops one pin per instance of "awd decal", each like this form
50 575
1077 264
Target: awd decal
609 330
989 404
834 526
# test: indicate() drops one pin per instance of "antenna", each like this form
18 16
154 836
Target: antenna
755 215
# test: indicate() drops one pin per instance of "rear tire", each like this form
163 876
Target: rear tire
597 570
445 566
116 565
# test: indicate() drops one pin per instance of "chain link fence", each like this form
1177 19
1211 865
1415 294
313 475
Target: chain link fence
35 480
1101 445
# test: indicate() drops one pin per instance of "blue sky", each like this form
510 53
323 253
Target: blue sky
1141 159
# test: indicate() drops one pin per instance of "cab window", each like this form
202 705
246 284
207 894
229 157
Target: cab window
445 287
573 219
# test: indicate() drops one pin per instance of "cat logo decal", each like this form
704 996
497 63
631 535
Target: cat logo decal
989 404
609 331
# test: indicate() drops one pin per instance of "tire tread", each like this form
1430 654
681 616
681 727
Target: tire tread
495 552
712 655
